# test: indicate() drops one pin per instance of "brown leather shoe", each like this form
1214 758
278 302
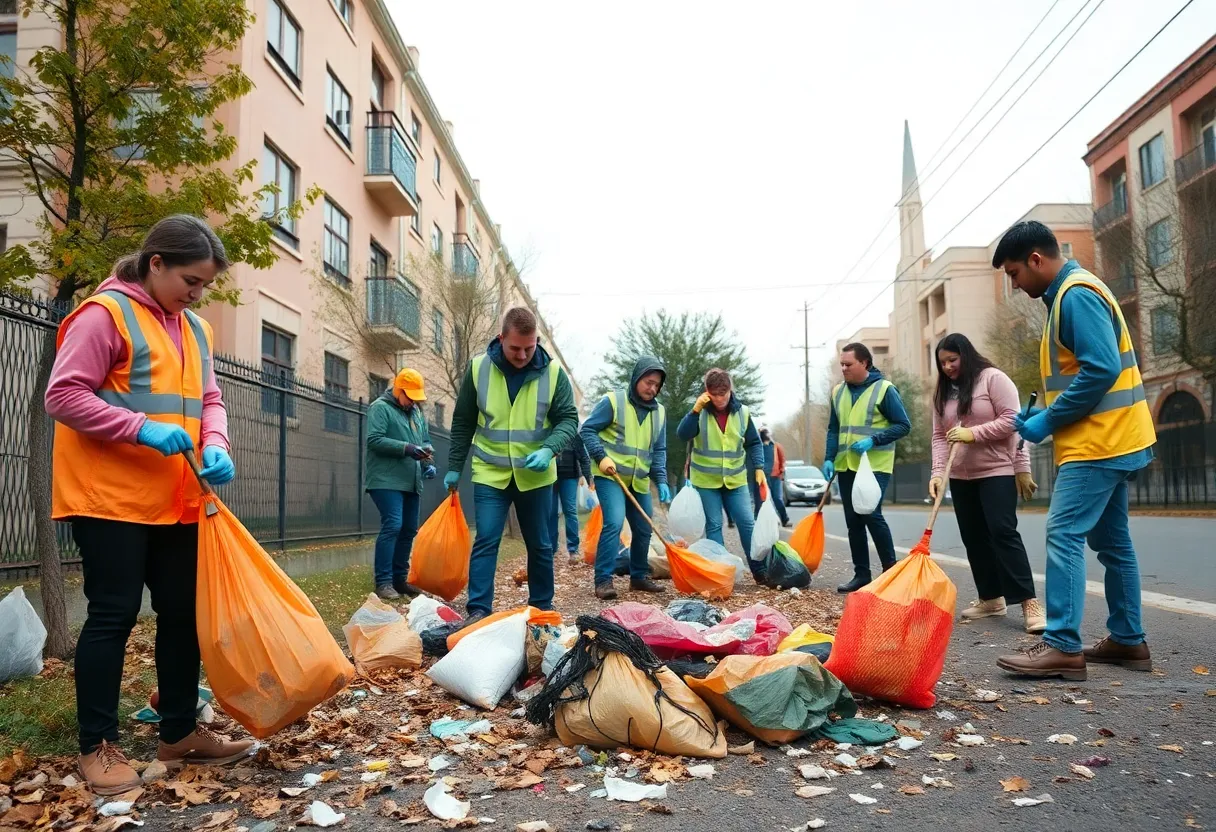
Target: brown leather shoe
1109 651
204 746
605 592
1044 661
645 585
107 772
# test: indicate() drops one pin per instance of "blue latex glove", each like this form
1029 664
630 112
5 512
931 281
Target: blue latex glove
829 469
429 472
168 439
1034 429
217 465
664 493
539 460
451 479
862 445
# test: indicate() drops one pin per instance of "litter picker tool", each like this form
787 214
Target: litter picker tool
922 548
1034 395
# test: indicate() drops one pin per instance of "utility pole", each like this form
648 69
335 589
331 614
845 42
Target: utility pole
806 390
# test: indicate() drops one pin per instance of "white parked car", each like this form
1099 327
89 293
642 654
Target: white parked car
804 484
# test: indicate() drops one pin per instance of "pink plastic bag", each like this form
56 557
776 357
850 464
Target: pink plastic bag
754 631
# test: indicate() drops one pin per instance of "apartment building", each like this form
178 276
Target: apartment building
877 338
1153 174
338 103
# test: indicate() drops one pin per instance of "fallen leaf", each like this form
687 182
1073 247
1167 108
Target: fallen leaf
293 791
189 793
266 807
520 781
218 819
1190 823
13 766
1082 771
1177 749
1016 784
1036 700
1200 670
944 757
1211 692
32 797
911 790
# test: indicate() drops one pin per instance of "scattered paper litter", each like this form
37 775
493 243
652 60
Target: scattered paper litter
320 814
790 751
534 826
847 760
947 715
705 771
813 772
970 740
863 799
311 780
908 743
442 805
817 823
1062 739
814 791
121 807
983 695
936 782
627 792
576 787
1033 801
1082 771
439 763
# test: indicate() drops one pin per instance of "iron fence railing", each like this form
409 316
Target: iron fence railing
464 257
1109 213
387 152
1199 159
391 303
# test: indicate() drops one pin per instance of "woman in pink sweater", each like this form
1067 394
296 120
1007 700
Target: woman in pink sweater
975 404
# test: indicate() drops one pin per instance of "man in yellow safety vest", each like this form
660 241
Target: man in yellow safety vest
516 412
1102 434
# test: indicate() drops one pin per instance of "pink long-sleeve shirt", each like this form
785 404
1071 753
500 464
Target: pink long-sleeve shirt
994 404
91 348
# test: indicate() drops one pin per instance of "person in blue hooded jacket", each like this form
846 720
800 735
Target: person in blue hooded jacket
626 435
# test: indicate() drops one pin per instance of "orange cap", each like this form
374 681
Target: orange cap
410 382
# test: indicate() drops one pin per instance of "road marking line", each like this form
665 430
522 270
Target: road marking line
1173 603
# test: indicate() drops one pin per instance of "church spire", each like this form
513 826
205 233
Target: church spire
911 223
910 191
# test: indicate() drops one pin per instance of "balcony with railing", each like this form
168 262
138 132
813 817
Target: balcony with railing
1111 214
392 170
1122 285
464 257
393 310
1195 164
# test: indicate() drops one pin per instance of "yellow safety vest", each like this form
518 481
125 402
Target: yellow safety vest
859 420
628 442
1121 422
508 431
718 457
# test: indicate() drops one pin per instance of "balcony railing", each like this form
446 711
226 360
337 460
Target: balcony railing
1195 163
388 155
1110 213
392 306
464 257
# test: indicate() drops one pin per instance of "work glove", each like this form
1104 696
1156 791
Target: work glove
829 469
700 403
935 484
862 445
960 434
1026 485
1034 429
168 439
217 466
762 482
414 452
451 479
607 466
539 460
664 493
429 472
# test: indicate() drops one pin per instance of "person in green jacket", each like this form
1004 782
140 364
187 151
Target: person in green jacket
399 456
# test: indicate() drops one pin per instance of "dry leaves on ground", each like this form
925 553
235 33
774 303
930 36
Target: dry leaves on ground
1015 784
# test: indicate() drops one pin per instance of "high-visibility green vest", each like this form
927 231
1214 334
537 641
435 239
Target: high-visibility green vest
861 419
507 432
718 458
628 442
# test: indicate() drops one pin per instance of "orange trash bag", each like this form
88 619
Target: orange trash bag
591 534
440 561
268 655
892 640
692 574
807 540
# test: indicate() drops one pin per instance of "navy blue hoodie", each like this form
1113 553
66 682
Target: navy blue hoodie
891 406
601 418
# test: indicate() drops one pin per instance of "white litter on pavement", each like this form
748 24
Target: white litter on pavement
702 772
439 763
813 772
847 760
320 814
814 791
863 799
947 715
116 808
908 743
969 740
1062 739
442 805
1033 801
628 792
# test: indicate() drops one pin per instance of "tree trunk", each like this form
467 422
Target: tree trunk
38 481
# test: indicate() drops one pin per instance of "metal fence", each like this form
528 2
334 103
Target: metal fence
299 451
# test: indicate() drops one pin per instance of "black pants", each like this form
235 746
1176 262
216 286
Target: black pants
986 509
119 559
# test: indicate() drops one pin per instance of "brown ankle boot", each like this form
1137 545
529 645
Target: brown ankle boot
107 772
1109 651
605 592
1044 661
645 585
204 746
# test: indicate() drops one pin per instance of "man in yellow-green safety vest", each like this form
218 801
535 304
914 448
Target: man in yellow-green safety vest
516 412
867 418
626 435
1102 434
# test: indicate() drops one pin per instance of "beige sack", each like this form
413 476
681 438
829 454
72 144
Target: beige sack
380 637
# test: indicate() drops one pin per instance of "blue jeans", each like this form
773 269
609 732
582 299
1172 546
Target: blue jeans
532 509
1089 503
617 508
565 502
858 523
398 527
737 502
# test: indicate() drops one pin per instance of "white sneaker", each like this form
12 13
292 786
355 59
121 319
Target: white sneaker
984 609
1034 616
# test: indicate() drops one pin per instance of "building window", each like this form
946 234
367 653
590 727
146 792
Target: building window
144 103
438 169
1152 161
377 386
1165 330
278 170
278 369
1066 250
436 241
1160 250
337 243
378 84
337 108
416 219
346 10
415 128
337 389
440 415
8 48
283 39
437 331
378 262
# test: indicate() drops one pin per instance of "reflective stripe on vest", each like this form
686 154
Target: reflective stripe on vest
719 459
1121 422
629 442
858 420
508 431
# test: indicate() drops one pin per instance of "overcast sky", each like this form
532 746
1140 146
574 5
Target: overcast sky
741 158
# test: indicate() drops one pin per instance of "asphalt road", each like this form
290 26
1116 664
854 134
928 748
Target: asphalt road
1175 552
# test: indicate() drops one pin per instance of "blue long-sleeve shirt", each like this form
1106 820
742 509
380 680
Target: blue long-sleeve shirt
601 417
891 407
1090 330
690 426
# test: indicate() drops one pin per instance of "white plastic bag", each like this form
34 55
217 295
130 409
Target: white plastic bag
712 550
767 530
556 648
686 517
424 614
22 637
587 499
867 493
485 664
